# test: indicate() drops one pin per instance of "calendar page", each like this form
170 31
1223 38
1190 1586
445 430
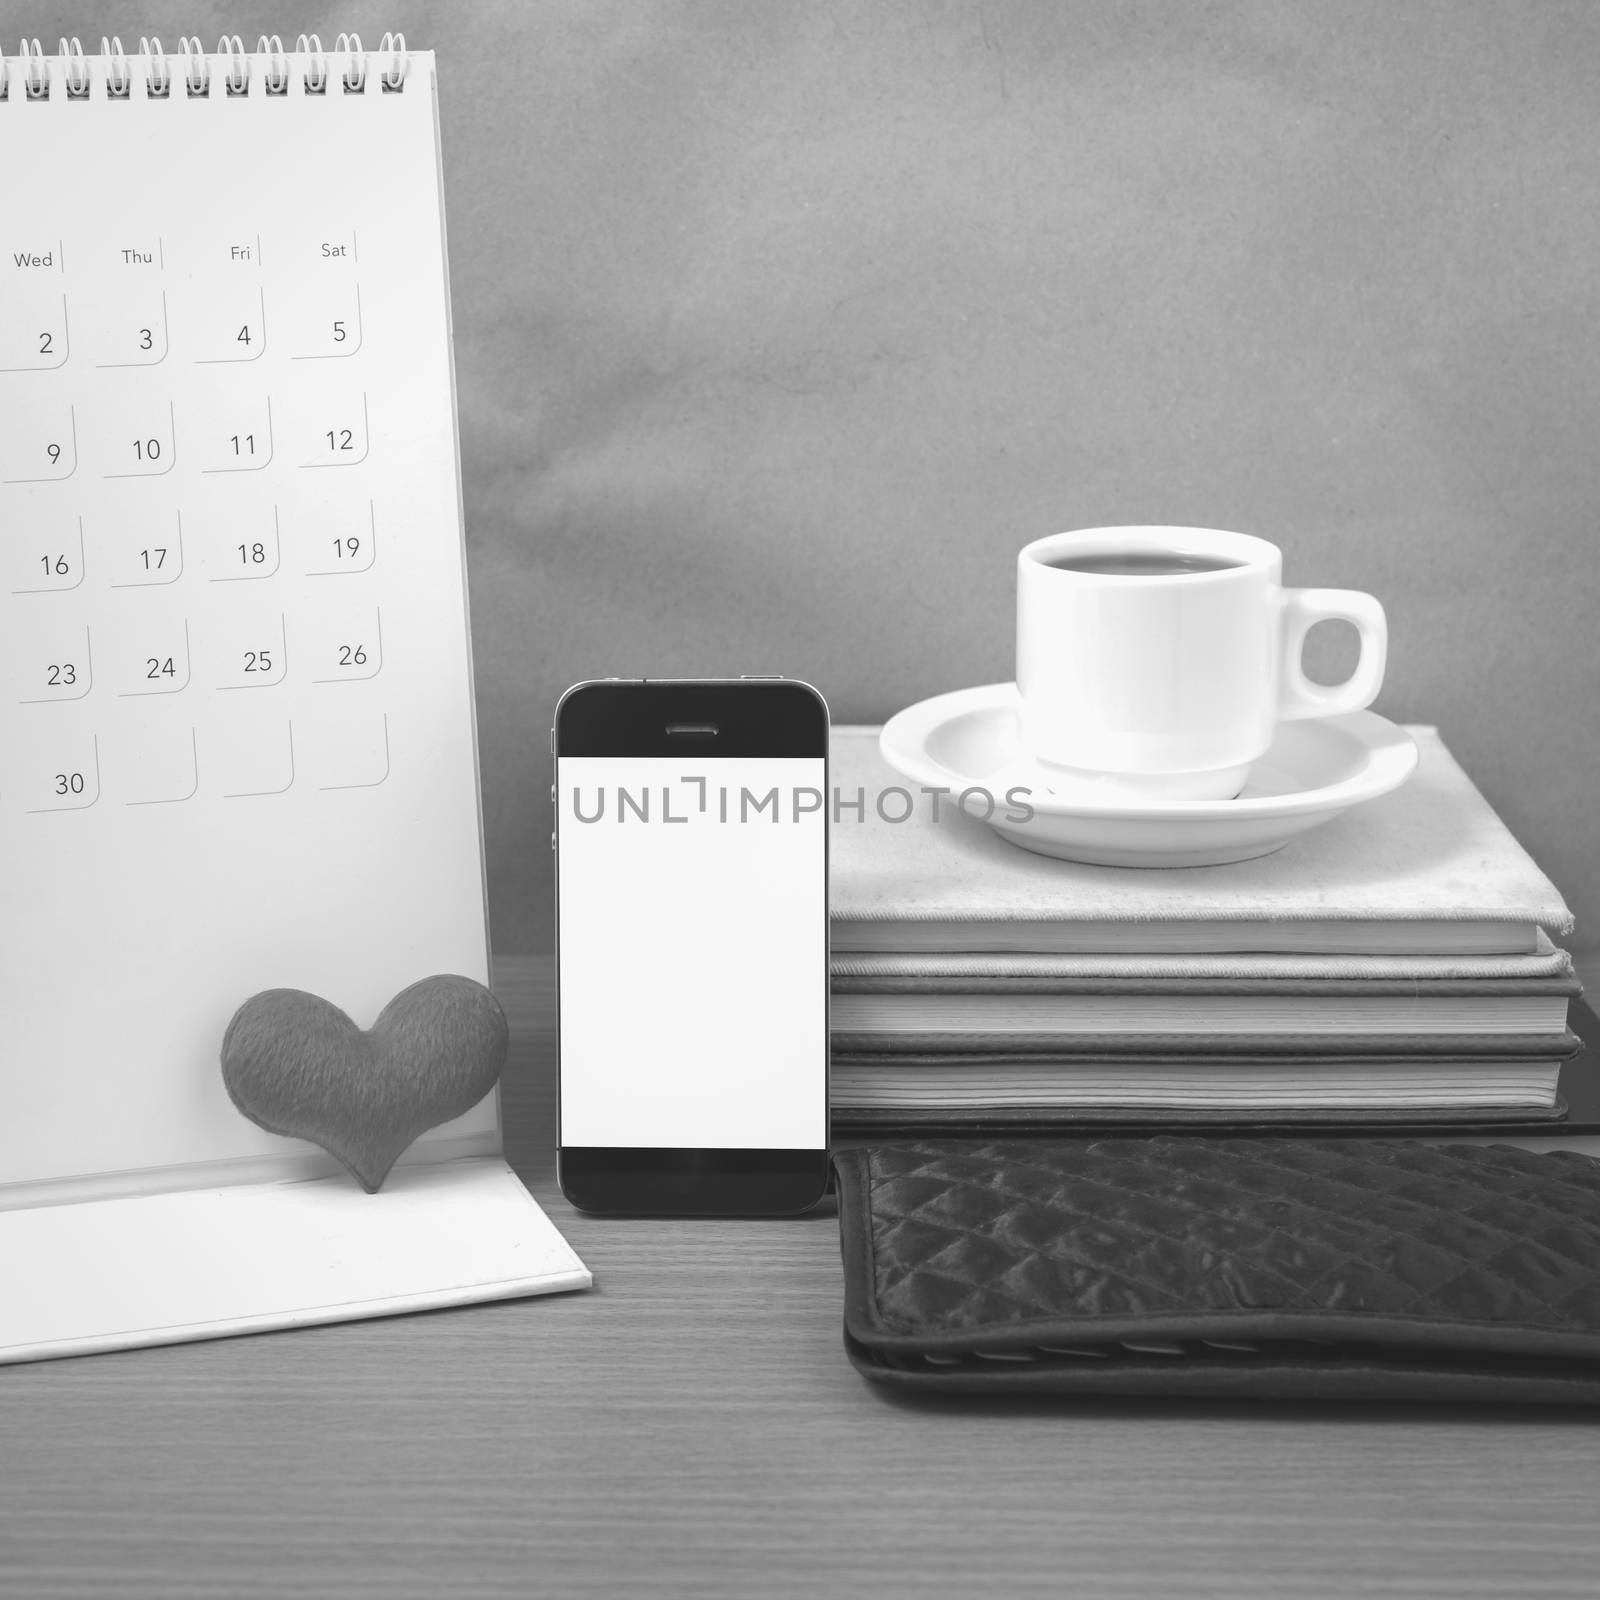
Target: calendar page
236 722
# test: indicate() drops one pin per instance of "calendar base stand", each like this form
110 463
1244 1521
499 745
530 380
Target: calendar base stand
119 1273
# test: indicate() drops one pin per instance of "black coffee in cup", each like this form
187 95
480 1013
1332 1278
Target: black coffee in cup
1140 563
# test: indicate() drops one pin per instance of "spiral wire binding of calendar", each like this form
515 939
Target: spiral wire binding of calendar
230 67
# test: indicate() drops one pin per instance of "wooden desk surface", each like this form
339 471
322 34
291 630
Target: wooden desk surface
691 1427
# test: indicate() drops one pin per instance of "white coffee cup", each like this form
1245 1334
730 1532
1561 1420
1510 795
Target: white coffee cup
1166 680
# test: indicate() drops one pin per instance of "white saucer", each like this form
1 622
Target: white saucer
1314 770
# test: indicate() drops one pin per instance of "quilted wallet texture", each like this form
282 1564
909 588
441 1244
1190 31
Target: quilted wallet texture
1267 1267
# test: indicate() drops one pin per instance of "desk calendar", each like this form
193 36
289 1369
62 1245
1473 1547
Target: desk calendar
236 724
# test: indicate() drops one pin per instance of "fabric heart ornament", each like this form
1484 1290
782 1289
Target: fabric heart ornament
295 1064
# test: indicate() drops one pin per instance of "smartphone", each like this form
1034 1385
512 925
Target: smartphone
691 847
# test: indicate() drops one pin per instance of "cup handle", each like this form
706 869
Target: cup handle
1298 695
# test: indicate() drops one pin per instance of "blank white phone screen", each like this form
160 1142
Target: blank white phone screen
693 904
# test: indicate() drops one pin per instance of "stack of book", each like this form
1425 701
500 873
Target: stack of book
1398 964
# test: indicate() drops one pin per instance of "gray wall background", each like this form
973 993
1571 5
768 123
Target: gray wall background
780 326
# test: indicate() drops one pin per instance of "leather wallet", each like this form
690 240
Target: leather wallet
1254 1267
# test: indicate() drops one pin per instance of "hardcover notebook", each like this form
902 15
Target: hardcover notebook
1012 1000
1510 1088
1308 1086
237 746
1050 1007
1427 870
